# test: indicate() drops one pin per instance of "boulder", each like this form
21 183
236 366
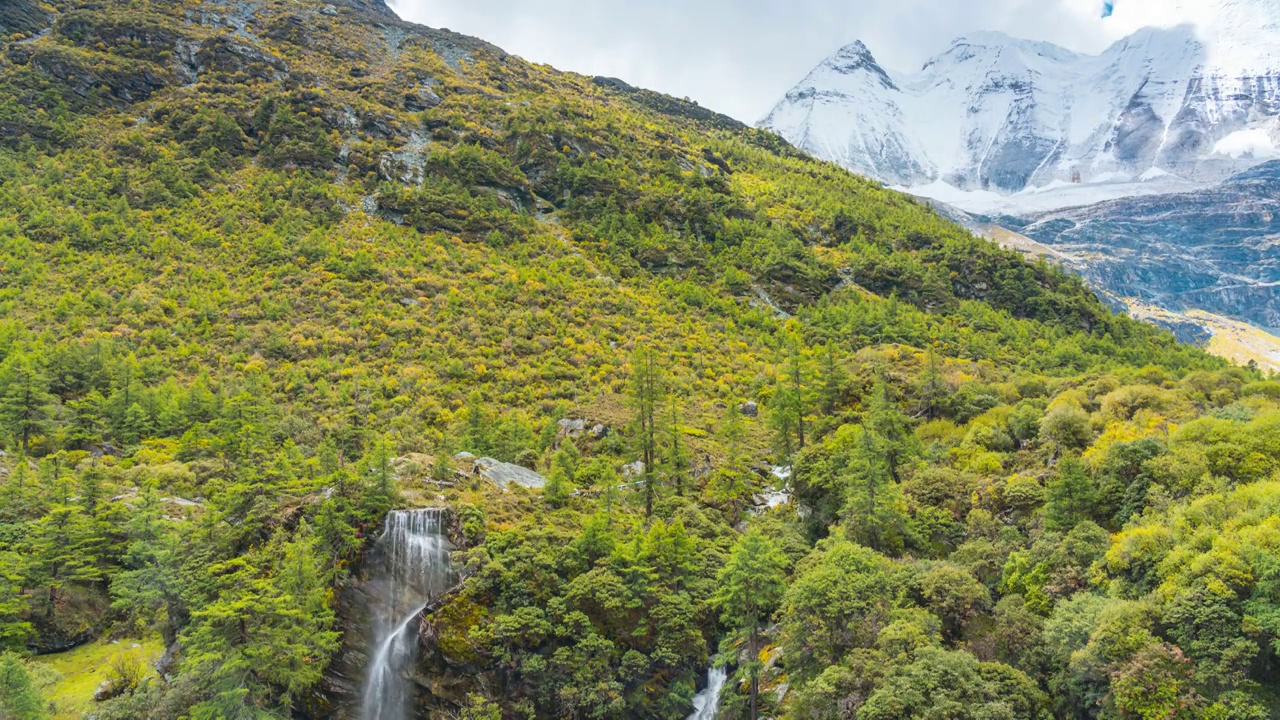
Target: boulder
749 408
572 427
106 690
422 98
59 634
505 474
770 499
599 431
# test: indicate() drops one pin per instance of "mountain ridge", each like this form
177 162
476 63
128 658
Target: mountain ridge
996 113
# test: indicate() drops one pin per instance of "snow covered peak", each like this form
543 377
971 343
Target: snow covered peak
998 114
851 92
977 59
851 59
854 55
996 40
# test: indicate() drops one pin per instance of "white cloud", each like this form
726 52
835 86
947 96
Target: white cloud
1255 143
740 56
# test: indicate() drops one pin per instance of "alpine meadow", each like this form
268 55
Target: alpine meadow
355 369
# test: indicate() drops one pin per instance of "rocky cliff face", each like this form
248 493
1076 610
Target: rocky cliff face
439 682
1214 249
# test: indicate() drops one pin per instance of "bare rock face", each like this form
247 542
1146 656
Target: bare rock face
421 98
143 37
73 621
444 680
1211 249
571 427
125 81
225 55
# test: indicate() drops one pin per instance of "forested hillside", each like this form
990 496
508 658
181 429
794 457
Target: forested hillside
265 267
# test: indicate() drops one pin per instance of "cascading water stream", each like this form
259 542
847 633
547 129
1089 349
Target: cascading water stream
707 702
414 547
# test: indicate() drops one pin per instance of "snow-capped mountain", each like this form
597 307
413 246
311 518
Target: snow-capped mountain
1169 108
848 111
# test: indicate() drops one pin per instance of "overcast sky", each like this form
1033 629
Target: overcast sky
740 56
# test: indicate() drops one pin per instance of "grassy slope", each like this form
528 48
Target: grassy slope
69 679
247 267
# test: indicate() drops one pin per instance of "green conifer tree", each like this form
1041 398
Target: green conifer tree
751 585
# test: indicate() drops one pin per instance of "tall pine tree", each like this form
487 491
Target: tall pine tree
751 585
647 392
26 406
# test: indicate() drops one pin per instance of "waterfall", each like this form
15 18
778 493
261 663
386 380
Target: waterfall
414 548
707 702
